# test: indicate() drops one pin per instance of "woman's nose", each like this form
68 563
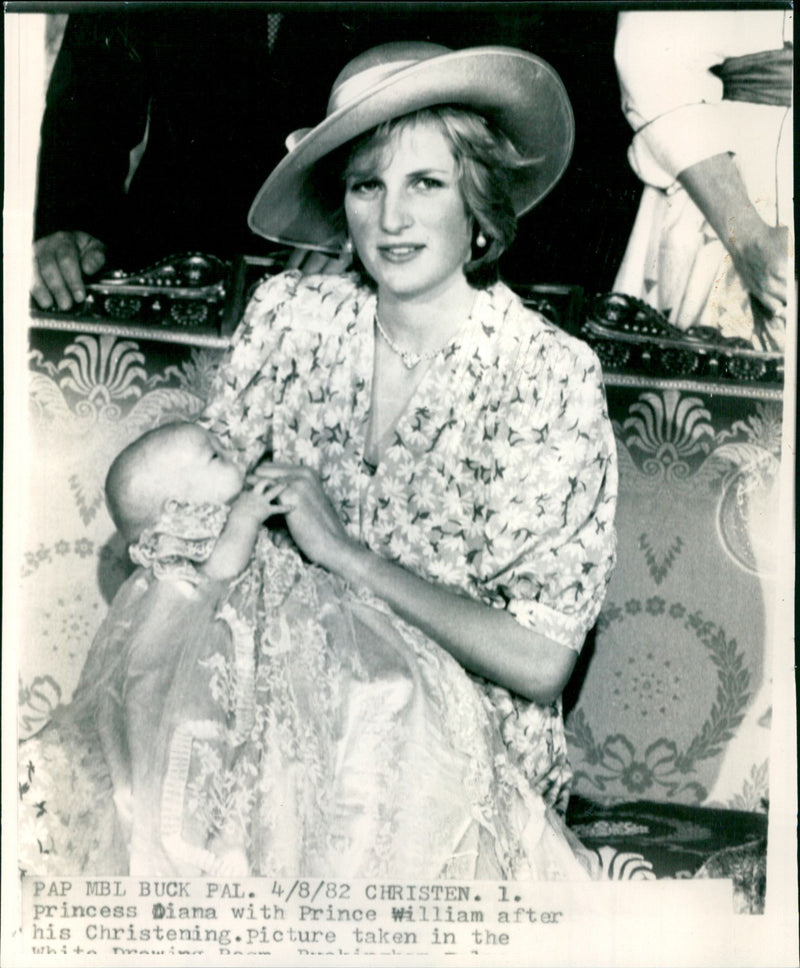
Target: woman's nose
395 212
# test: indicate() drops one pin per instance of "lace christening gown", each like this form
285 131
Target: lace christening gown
292 724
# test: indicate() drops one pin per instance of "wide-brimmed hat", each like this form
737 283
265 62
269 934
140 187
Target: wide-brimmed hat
520 93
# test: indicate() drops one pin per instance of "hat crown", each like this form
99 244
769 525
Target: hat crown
522 95
375 65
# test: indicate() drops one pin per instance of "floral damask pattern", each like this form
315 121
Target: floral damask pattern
755 790
86 407
37 702
747 512
663 768
677 451
695 540
668 428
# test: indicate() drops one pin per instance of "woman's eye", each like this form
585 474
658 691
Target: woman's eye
427 183
366 187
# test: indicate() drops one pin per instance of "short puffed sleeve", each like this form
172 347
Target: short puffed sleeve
241 401
552 522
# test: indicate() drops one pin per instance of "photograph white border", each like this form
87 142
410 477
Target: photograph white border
616 926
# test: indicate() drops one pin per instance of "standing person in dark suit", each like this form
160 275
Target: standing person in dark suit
199 100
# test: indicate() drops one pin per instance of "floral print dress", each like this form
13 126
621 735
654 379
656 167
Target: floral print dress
305 724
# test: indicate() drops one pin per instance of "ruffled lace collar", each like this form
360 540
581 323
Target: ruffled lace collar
183 537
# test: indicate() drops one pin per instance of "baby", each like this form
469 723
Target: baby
181 502
183 465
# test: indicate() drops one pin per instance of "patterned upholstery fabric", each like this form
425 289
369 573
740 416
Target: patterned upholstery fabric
671 700
676 702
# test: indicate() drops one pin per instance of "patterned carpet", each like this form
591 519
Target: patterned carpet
644 840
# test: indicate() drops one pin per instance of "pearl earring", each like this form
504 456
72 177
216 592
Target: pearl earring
347 248
480 240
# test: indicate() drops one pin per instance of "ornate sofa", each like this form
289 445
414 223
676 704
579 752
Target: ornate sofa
668 714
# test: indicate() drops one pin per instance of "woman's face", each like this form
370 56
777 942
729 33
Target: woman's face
406 214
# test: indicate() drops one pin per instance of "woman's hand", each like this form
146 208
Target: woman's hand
310 517
528 663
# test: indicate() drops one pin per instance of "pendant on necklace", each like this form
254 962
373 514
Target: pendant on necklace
409 358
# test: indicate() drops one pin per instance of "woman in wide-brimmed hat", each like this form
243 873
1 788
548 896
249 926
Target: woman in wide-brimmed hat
390 683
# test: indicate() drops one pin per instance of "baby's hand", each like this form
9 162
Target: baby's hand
235 545
259 502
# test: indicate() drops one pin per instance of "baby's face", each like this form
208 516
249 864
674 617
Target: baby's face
193 466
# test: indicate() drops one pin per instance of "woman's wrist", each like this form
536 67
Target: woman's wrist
529 663
352 561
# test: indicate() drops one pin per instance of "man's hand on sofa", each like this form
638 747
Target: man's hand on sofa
60 261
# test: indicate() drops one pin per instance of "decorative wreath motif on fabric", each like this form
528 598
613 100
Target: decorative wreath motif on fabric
663 766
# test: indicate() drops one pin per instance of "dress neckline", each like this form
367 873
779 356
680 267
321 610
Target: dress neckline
371 460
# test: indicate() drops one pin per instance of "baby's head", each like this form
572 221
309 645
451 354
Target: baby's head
180 461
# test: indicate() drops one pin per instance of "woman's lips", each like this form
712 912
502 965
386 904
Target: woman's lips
399 253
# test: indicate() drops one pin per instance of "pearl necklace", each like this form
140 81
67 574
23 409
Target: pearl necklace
409 357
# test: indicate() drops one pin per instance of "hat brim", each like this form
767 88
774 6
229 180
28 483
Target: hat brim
517 91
